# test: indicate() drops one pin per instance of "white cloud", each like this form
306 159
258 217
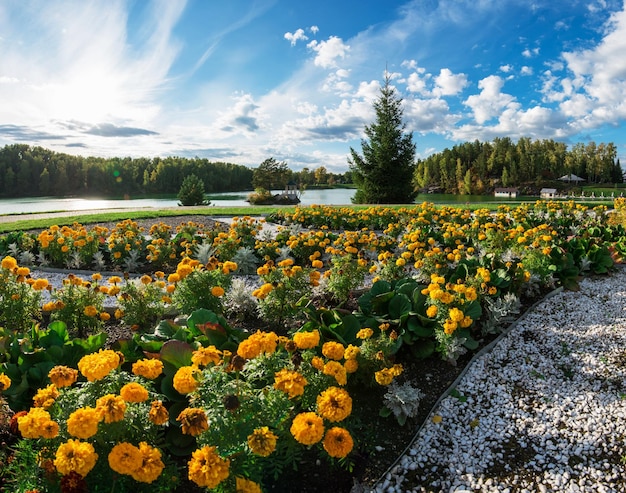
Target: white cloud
526 70
506 68
491 101
528 53
449 84
327 52
293 38
314 29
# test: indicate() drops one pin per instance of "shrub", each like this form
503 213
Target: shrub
192 191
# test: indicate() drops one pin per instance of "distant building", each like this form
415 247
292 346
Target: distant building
291 194
547 193
510 193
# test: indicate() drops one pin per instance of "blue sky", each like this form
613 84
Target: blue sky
244 80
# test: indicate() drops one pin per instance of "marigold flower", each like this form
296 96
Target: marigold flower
205 355
193 421
5 382
449 326
334 404
386 375
291 382
456 315
134 392
351 365
46 396
262 441
75 456
431 311
125 458
63 376
206 468
111 408
307 340
96 366
217 291
49 429
185 380
333 350
338 442
243 485
336 370
151 464
40 284
90 311
258 343
158 413
149 368
365 333
317 363
9 263
307 428
83 423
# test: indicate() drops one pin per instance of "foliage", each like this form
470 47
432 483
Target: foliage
27 356
20 296
143 301
192 191
384 173
271 175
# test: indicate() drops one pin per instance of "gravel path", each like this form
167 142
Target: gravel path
543 411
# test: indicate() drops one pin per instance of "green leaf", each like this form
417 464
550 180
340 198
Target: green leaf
423 348
400 305
414 327
455 393
177 353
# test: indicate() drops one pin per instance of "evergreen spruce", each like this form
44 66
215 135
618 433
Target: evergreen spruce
384 171
192 191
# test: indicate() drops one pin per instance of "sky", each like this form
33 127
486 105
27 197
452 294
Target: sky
241 81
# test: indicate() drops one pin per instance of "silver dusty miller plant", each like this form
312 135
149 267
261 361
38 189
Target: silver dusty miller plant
500 311
402 400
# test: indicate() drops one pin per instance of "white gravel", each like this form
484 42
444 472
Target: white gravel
545 409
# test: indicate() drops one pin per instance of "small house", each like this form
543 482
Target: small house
291 194
548 193
509 193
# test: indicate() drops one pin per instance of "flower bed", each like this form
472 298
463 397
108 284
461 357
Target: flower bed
206 400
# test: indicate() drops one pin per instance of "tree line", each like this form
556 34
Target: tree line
27 171
477 167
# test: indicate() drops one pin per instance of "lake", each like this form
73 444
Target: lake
334 196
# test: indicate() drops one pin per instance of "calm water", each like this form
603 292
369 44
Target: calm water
337 196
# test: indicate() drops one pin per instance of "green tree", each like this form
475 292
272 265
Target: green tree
383 174
192 191
271 175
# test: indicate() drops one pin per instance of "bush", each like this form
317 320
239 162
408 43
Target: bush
192 191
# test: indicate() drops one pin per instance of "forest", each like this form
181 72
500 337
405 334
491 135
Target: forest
477 167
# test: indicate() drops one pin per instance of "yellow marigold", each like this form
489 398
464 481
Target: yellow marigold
134 392
317 363
205 355
206 468
90 311
96 366
49 429
307 340
9 263
456 315
217 291
333 350
258 343
33 423
149 368
193 421
243 485
351 352
23 271
351 365
125 458
115 280
83 423
75 456
336 370
151 464
185 379
386 375
449 326
307 428
111 408
471 294
431 311
40 284
291 382
338 442
262 441
317 264
5 382
365 333
334 404
158 413
466 322
46 396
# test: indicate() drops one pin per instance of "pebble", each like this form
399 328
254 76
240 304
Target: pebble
550 399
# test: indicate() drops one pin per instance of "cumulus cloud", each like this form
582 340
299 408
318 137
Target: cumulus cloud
491 101
242 116
314 29
327 52
293 38
449 84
